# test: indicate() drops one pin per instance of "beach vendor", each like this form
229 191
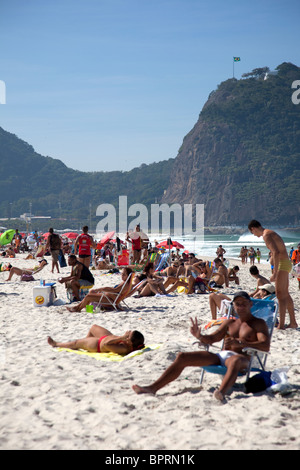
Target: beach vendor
54 244
101 340
135 239
280 275
83 244
80 276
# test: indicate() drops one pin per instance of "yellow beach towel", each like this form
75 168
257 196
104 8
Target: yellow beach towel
112 356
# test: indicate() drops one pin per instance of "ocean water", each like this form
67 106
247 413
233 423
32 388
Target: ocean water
232 243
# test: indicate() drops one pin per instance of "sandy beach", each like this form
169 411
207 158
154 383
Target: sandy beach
59 400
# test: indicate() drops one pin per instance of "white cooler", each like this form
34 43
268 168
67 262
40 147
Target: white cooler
43 296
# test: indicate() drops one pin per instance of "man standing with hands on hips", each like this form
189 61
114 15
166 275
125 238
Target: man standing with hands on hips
282 268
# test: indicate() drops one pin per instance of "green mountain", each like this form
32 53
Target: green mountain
55 190
242 158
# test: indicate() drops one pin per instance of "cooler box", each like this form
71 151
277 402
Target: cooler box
43 296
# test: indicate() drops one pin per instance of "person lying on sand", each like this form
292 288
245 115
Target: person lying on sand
101 340
29 272
245 331
95 295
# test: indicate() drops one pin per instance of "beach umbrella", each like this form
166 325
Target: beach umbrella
106 238
45 235
6 237
170 244
73 235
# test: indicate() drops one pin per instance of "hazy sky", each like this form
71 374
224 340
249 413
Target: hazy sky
111 84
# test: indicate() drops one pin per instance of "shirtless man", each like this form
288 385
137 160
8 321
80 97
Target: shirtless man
80 276
220 252
221 276
101 340
245 331
232 275
261 280
280 275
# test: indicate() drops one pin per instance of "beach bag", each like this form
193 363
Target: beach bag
62 259
259 382
200 287
27 277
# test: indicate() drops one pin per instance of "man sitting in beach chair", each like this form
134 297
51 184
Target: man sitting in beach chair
244 331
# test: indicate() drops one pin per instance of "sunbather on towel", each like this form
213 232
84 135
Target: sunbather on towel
95 295
101 340
245 331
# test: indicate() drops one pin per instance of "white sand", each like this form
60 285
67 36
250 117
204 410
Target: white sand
60 400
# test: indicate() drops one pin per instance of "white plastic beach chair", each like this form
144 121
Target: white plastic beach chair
261 308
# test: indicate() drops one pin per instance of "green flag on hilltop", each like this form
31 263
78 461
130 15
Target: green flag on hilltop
236 59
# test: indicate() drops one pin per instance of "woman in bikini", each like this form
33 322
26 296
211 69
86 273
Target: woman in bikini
29 272
101 340
95 295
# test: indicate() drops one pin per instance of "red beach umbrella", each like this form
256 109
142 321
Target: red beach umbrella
106 238
167 244
72 235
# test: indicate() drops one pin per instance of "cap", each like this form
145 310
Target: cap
269 288
241 293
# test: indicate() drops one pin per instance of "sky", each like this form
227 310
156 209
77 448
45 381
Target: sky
106 85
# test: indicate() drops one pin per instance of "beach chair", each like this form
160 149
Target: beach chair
83 291
163 262
106 302
261 308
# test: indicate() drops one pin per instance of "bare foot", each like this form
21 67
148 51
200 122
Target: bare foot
219 396
51 342
292 325
140 390
73 309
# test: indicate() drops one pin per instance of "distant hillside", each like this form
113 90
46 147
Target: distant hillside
242 158
56 190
